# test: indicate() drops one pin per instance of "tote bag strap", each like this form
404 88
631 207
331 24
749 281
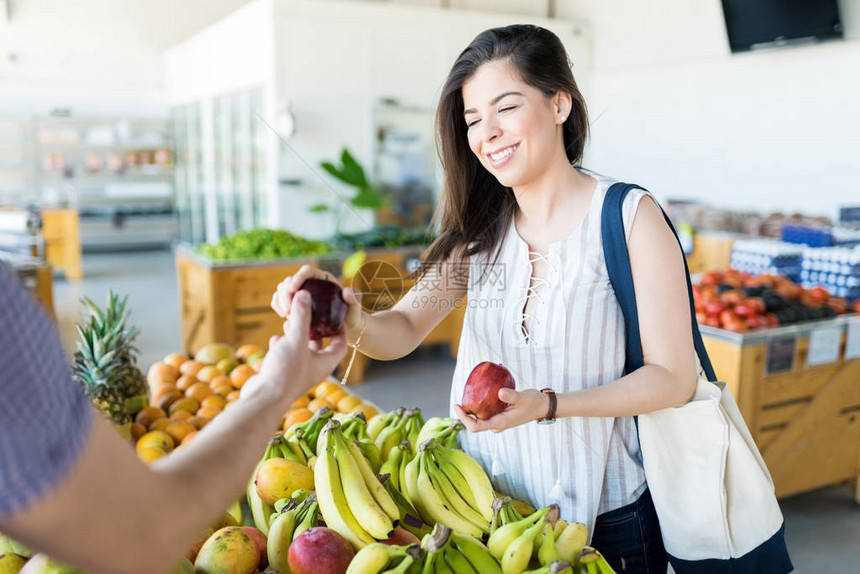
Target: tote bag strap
618 267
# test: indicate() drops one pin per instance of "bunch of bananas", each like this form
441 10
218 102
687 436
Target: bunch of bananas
395 466
278 447
377 558
354 428
352 499
592 562
447 485
410 519
390 429
539 538
294 516
444 430
306 434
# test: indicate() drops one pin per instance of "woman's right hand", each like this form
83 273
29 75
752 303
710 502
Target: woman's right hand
283 297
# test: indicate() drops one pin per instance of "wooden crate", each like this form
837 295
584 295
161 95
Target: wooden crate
711 252
62 236
806 421
229 303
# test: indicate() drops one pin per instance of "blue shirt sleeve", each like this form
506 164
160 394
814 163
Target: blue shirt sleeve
44 415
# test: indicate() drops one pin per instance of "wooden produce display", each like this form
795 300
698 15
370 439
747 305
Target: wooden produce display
62 237
229 302
711 251
801 405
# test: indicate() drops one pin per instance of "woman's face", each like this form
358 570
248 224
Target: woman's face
513 128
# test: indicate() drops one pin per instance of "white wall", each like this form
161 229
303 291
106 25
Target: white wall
674 110
336 59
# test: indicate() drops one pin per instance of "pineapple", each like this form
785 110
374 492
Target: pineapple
105 362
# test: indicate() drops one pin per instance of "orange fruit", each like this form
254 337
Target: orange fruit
175 360
185 382
369 411
198 392
335 396
214 401
137 431
189 405
300 402
149 454
189 437
347 403
159 424
208 373
240 375
232 396
167 399
294 416
220 381
245 352
178 430
180 416
199 422
162 388
148 415
223 390
156 439
191 367
209 412
162 371
324 388
317 404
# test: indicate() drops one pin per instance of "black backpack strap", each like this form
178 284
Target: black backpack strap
618 266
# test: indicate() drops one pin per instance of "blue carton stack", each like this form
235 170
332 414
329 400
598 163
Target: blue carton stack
837 269
760 256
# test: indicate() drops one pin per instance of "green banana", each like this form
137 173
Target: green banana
371 453
519 552
308 515
547 553
434 545
382 420
503 537
390 437
260 511
281 536
411 490
411 556
392 463
414 423
429 566
444 430
380 495
457 561
474 475
332 499
557 567
571 542
311 428
476 553
559 527
371 559
439 510
372 518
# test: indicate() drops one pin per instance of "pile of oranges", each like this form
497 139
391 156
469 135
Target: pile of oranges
327 394
185 395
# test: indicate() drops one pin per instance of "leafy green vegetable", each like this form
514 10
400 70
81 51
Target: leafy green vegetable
262 245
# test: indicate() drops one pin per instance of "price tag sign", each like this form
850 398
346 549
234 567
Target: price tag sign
780 354
852 345
824 345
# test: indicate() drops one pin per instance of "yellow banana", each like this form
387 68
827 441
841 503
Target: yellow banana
475 477
547 553
571 542
332 500
450 495
391 466
371 559
362 504
412 492
559 527
517 555
593 562
458 481
437 507
380 495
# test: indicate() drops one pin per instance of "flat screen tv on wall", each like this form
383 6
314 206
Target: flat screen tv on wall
753 24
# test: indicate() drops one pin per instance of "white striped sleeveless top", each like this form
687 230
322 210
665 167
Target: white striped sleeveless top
575 341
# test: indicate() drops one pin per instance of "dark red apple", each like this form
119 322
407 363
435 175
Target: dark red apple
401 537
259 540
327 307
481 394
320 551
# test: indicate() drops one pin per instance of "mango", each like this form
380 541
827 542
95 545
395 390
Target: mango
42 564
214 352
228 551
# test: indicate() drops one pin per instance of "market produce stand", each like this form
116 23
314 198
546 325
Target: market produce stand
229 302
801 405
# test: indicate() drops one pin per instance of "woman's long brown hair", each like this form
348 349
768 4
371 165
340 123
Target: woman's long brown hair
475 209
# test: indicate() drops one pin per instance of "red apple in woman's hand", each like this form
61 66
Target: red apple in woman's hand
481 393
328 308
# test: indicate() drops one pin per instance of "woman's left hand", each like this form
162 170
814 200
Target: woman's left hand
523 407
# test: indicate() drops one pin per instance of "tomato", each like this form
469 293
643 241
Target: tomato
790 290
757 303
736 326
820 293
701 318
855 308
772 320
756 322
732 297
728 316
711 278
743 309
838 304
714 308
712 322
